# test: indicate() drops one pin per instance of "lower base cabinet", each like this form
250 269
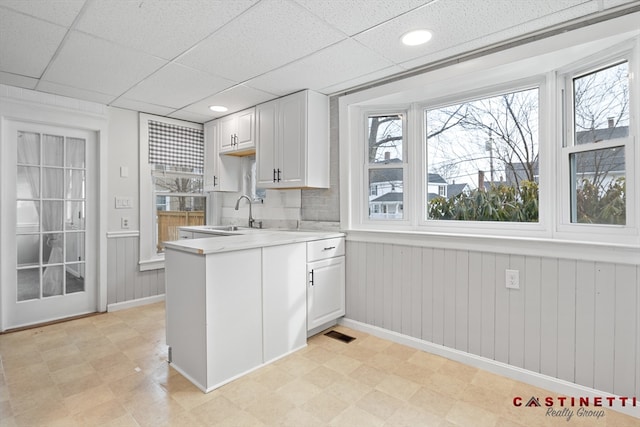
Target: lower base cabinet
326 281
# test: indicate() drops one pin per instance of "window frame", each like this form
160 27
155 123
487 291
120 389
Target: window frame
545 60
403 113
150 259
607 233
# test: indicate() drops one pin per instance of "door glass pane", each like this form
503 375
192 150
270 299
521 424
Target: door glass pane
52 183
28 284
75 278
75 153
28 148
28 182
75 247
75 184
28 249
27 216
52 150
52 280
74 216
52 215
52 244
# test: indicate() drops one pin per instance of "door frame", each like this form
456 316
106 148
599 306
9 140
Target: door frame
82 115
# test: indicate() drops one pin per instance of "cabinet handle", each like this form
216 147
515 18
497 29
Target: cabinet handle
329 248
231 136
278 174
214 180
235 139
274 175
311 281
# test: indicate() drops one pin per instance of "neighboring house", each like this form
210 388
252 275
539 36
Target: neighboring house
455 189
387 206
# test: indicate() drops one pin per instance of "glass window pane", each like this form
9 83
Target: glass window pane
75 153
75 278
177 211
27 216
28 148
74 216
28 182
52 183
28 285
74 247
52 244
388 200
52 280
28 248
52 150
385 139
75 184
598 186
483 159
52 215
176 184
601 105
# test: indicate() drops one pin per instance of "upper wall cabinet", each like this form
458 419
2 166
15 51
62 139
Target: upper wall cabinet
221 173
237 133
292 141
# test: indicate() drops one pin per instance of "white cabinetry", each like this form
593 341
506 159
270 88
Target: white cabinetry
221 173
283 300
237 133
292 141
326 281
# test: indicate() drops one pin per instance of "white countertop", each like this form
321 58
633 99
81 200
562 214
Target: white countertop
245 238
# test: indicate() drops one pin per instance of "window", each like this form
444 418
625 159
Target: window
385 166
172 159
595 152
490 146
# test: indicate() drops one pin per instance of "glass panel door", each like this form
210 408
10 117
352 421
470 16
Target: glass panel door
50 215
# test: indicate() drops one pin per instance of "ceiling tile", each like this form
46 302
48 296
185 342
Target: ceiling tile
145 107
161 28
187 86
354 16
61 12
89 63
267 36
340 62
235 99
18 80
73 92
453 23
27 44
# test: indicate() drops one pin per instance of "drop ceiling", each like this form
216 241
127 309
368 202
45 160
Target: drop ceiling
177 57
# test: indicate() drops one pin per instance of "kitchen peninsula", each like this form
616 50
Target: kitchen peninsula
241 299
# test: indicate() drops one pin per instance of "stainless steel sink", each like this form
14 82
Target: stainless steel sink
221 227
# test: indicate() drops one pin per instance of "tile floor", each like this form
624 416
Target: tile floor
111 370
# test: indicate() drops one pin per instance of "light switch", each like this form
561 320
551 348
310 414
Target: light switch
123 202
124 172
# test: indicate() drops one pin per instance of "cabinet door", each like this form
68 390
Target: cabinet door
292 128
221 173
266 144
228 130
283 299
245 130
325 291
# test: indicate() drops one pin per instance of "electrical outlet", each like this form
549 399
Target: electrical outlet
512 279
124 222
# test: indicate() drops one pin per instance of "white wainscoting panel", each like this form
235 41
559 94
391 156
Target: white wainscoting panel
574 320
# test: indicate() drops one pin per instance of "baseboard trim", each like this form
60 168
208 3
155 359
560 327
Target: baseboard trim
555 385
134 303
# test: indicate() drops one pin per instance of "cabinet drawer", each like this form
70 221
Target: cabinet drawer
327 248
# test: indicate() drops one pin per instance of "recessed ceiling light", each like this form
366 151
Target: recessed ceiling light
417 37
218 108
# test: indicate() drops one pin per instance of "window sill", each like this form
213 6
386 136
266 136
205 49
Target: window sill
522 246
154 264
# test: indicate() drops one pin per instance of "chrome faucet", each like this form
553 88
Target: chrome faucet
251 220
